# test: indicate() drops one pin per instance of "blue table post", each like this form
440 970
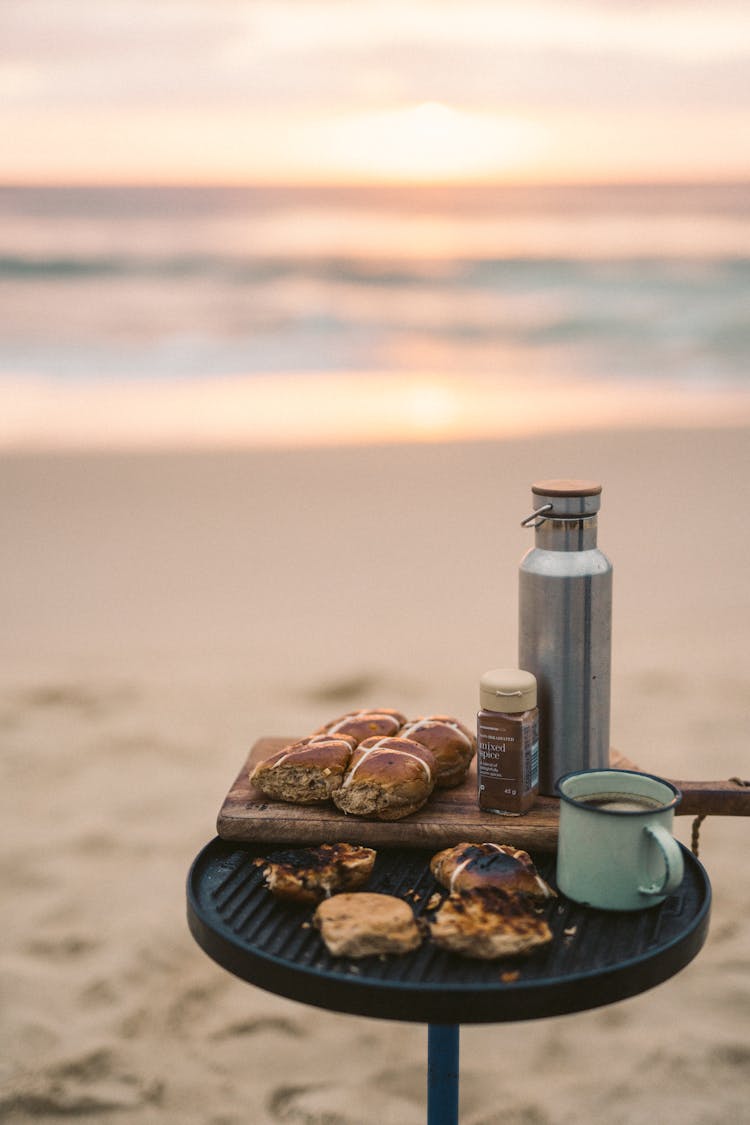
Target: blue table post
442 1074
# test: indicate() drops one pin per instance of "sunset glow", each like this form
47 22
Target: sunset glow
429 141
285 410
203 92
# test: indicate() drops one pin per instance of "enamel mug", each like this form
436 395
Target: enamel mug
616 850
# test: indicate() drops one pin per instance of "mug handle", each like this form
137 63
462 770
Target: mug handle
674 865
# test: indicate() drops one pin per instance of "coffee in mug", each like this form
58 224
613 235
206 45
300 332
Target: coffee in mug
621 802
615 847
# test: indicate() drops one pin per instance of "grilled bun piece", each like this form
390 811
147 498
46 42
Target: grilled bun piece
306 772
312 874
359 725
450 741
468 866
358 925
387 779
487 923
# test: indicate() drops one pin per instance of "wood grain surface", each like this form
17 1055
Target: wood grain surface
450 816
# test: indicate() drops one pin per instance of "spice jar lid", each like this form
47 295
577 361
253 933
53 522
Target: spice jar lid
507 690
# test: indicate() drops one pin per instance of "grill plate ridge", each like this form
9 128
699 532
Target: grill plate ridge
604 956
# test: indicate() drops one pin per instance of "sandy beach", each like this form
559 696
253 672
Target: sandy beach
162 611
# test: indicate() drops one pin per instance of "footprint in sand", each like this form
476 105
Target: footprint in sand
518 1115
77 698
99 993
344 690
353 689
342 1105
67 947
192 1006
390 1095
86 1085
261 1024
295 1104
733 1055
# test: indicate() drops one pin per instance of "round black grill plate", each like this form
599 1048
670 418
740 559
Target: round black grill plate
596 957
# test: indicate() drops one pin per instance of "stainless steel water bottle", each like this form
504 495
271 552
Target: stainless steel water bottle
565 628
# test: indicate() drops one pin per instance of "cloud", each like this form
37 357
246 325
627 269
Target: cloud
74 69
475 76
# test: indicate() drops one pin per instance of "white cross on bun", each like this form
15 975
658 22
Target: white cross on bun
450 741
305 773
467 866
369 723
387 779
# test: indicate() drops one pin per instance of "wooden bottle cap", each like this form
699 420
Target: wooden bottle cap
565 487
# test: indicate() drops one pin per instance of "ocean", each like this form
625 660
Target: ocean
162 287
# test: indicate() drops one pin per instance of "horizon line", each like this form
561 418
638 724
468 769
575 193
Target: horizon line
380 185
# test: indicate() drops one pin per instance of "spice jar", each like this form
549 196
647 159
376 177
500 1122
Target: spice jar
507 742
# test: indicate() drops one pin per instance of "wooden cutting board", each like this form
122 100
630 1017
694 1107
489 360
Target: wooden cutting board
449 817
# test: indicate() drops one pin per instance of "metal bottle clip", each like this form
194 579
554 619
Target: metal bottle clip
536 518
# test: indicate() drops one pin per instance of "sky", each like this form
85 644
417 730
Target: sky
236 91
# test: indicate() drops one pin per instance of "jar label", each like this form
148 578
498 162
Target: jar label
507 760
